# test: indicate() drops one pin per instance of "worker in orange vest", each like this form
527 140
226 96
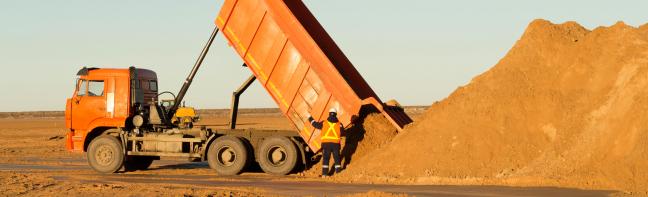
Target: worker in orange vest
330 138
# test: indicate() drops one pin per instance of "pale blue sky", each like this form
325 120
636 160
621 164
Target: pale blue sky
416 51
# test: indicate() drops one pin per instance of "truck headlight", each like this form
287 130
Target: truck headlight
138 120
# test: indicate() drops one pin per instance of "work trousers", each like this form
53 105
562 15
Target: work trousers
327 150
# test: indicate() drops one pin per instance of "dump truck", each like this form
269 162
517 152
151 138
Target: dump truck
117 116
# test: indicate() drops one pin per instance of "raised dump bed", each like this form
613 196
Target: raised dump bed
299 64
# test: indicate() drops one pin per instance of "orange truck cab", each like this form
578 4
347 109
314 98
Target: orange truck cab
105 99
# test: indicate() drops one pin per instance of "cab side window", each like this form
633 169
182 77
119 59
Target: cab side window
96 88
83 87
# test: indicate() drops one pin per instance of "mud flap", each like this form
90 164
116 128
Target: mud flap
69 144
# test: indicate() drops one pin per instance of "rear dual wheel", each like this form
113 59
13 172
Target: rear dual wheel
277 155
228 155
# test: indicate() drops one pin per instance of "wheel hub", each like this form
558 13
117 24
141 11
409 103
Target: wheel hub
277 155
104 155
226 156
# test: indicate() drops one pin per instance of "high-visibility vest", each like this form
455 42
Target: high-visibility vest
330 132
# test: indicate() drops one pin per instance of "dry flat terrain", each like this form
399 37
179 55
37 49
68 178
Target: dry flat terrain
566 107
33 162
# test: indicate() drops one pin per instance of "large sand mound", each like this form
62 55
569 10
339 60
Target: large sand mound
566 106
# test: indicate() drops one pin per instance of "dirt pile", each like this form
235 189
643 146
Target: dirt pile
374 132
566 106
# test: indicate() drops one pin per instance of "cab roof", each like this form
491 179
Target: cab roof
143 73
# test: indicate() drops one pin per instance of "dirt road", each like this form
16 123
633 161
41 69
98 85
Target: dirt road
293 185
33 162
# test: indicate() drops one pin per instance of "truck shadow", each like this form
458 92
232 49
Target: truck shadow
192 165
252 167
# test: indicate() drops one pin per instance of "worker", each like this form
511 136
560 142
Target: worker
330 138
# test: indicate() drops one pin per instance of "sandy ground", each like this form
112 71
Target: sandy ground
33 162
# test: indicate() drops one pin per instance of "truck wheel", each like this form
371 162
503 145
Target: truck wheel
277 155
138 163
105 154
227 155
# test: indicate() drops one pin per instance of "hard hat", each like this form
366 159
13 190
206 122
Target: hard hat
333 110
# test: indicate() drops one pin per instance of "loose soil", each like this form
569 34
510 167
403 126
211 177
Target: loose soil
374 132
566 107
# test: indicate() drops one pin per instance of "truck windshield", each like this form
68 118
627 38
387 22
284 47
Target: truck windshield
82 87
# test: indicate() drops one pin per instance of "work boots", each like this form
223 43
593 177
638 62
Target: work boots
325 170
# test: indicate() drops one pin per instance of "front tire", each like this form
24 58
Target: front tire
105 154
277 155
228 155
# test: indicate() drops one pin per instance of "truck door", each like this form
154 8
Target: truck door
88 104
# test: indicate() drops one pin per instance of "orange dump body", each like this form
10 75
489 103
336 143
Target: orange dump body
299 64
